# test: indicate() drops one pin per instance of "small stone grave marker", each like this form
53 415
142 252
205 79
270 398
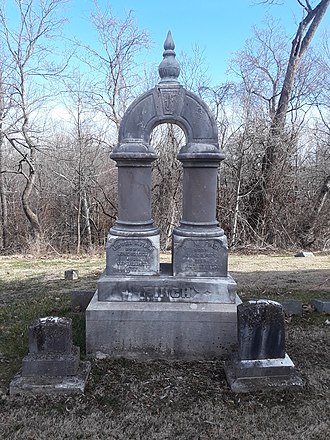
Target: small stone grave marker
53 364
261 362
304 254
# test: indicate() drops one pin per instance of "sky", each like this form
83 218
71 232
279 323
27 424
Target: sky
219 27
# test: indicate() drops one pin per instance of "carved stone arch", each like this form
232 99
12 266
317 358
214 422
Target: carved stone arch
168 103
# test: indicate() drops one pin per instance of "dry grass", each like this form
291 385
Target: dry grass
164 400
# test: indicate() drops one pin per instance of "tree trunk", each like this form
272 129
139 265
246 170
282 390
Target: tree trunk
3 199
30 215
78 226
308 230
87 219
277 140
301 42
236 211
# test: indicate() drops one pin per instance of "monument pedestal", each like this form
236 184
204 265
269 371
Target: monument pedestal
164 316
186 310
153 330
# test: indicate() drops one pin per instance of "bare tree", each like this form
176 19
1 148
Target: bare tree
113 65
167 180
281 140
300 44
26 57
3 197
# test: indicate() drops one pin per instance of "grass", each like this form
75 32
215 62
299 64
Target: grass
126 399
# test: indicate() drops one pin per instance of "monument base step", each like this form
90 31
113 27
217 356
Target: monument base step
152 330
31 385
247 376
167 288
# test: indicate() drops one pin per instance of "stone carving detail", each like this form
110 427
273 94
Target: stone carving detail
169 101
202 256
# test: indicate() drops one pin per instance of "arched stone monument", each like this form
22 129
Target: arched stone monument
186 309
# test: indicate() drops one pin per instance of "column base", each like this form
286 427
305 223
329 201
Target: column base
200 256
132 255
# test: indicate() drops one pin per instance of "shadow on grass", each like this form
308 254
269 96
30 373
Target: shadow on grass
299 284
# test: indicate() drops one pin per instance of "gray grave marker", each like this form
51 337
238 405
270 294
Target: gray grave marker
261 362
53 364
186 309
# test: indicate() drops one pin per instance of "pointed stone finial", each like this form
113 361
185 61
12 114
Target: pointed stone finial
169 68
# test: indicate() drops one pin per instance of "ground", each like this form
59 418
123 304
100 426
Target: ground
165 400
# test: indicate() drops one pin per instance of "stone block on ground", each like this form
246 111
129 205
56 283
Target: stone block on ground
304 254
292 306
262 375
71 274
248 376
28 385
161 330
321 305
80 299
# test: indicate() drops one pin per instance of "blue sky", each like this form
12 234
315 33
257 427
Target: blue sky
218 26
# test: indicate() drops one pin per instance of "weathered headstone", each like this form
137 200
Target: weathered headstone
261 362
261 332
53 364
186 309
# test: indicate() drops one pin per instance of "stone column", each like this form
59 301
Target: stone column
199 245
199 189
133 242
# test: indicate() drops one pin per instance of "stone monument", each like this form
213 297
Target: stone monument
53 364
186 309
261 362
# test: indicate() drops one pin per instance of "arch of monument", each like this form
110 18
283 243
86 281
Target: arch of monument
186 309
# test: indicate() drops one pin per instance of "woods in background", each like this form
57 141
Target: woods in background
58 183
